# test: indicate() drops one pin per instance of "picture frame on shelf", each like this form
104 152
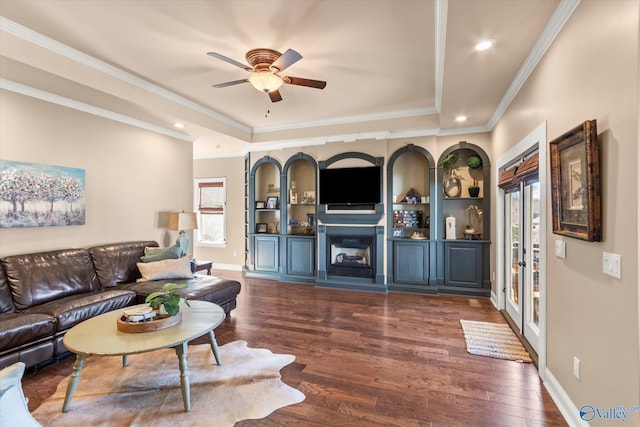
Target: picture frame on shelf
272 202
309 197
575 183
398 232
260 205
261 227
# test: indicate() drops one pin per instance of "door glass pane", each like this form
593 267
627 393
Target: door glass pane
514 233
534 250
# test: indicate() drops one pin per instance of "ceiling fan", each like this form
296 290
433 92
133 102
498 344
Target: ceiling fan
266 64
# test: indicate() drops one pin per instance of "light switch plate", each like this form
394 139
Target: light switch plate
612 264
561 249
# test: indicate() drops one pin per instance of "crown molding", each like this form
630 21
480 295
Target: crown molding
43 41
90 109
348 120
551 30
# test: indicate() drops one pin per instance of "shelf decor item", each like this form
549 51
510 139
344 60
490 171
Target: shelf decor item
575 183
261 227
272 202
451 183
474 189
474 162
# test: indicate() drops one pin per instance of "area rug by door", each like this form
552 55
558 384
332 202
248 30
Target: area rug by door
147 392
493 340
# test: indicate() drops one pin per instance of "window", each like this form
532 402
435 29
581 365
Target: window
210 206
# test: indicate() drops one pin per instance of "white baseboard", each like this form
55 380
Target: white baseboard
494 300
566 406
230 267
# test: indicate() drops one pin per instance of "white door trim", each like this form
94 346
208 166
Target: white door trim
538 137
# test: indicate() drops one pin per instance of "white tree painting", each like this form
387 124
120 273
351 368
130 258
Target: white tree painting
33 195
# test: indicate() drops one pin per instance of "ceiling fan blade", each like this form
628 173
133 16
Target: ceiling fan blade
275 95
317 84
230 61
235 82
286 60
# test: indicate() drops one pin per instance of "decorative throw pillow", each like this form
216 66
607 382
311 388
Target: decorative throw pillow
166 269
158 254
13 405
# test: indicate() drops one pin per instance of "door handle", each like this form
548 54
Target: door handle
522 264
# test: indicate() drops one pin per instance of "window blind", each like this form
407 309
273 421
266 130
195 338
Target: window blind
211 197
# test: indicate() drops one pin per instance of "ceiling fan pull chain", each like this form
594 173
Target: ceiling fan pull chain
266 106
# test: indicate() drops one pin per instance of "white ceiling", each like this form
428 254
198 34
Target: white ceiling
393 68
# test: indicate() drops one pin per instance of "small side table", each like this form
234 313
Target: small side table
204 265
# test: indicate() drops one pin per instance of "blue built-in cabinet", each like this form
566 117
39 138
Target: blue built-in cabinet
267 253
301 256
282 242
410 229
265 221
413 252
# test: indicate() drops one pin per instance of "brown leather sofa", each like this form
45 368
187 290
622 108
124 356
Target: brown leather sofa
42 295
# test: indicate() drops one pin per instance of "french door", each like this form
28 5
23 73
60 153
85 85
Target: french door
522 241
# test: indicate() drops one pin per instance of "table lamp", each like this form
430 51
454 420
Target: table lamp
182 221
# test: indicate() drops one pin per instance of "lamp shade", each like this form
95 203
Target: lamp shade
265 81
182 221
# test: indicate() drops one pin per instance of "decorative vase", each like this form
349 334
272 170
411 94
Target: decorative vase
474 191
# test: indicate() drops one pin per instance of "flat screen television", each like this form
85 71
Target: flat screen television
350 186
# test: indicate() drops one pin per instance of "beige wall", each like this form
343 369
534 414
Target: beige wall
233 170
591 72
133 176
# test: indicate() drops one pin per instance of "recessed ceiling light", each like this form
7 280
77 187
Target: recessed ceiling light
484 45
461 119
178 125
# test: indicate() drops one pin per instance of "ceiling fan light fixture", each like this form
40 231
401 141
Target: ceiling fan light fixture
265 81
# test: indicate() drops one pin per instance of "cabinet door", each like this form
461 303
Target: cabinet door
463 265
410 262
300 256
267 253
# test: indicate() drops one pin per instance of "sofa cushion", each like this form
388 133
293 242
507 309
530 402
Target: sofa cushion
6 302
38 278
116 263
201 287
152 254
74 309
17 329
166 269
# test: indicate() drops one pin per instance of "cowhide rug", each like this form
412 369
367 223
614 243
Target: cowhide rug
147 391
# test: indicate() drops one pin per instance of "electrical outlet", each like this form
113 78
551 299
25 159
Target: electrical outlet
576 367
612 264
235 253
561 249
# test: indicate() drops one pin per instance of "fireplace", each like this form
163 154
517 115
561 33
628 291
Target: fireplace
350 255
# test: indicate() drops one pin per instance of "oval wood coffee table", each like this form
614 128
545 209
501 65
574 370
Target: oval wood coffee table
99 336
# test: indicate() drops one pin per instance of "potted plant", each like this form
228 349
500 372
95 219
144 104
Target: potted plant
449 162
168 298
474 189
474 162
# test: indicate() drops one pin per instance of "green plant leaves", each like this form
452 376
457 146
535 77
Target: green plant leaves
168 297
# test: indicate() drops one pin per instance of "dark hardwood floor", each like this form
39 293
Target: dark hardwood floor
371 360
